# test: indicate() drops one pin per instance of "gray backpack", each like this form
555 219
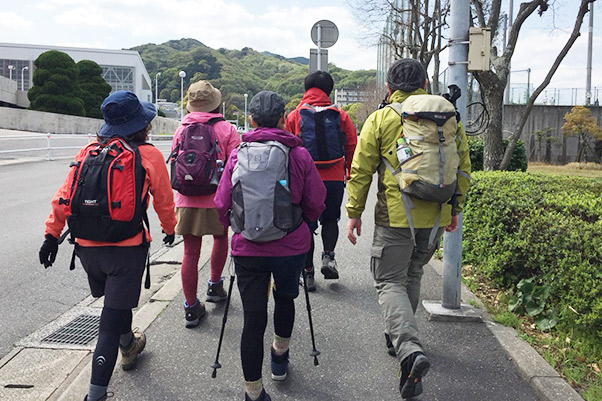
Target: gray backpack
262 210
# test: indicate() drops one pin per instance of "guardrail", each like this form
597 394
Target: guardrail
51 140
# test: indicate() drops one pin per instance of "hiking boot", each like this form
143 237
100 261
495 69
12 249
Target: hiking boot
194 313
129 355
413 369
262 397
329 269
390 347
311 282
279 365
216 292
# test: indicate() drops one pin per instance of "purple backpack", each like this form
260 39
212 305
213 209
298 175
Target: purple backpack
195 168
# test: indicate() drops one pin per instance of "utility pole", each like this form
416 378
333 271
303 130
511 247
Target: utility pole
450 306
590 38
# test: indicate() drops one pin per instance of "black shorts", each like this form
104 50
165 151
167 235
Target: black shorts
115 272
253 275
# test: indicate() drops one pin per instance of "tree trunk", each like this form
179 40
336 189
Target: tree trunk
493 147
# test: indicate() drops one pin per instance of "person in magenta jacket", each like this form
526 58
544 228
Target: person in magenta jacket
197 215
283 258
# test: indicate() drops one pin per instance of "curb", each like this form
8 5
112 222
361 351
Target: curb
533 368
75 377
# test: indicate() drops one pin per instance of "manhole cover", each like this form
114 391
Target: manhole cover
80 331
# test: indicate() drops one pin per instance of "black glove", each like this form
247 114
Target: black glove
169 239
48 251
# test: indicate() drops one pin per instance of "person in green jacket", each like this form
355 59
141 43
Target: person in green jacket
397 256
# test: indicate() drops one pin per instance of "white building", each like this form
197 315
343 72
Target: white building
122 69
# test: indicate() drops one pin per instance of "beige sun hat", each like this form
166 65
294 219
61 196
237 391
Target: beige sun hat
202 96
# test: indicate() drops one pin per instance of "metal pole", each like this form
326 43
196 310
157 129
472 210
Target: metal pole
590 38
528 83
510 16
48 145
246 122
458 70
157 90
319 47
224 109
22 76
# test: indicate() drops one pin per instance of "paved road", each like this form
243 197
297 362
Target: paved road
468 363
31 296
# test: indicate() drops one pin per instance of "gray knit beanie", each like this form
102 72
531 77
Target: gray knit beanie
406 75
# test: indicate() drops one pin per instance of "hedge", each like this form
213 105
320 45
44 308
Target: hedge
521 225
518 161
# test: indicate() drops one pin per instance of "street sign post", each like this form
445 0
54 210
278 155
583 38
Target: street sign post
313 59
324 34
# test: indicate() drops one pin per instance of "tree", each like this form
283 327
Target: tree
487 13
55 87
94 89
580 122
414 30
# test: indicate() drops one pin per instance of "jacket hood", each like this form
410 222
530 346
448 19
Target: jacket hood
199 117
261 134
315 97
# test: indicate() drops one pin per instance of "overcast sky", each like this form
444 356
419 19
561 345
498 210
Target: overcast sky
278 26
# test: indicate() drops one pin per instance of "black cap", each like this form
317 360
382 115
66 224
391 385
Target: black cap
406 75
266 108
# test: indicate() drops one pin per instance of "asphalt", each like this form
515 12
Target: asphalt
471 361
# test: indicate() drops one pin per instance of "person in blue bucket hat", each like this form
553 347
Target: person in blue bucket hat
115 267
124 114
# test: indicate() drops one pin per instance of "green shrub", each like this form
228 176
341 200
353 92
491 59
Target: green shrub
522 225
517 163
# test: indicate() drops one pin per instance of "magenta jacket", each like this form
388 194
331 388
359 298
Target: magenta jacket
307 189
227 140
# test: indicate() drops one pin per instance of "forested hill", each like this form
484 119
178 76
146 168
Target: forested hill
235 72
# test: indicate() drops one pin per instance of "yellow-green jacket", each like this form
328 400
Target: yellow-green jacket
377 139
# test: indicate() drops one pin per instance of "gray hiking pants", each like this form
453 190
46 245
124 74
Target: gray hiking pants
397 269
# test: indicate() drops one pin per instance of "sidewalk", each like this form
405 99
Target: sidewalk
470 361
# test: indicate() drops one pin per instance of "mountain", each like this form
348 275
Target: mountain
235 72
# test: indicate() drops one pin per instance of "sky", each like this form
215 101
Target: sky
278 26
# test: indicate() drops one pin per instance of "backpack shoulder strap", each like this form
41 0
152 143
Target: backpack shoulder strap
213 120
395 106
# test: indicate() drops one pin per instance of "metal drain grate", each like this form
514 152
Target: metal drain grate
80 331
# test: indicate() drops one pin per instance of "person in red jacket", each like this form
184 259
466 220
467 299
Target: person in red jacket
115 269
318 86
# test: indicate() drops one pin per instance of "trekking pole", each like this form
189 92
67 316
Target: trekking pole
314 351
216 365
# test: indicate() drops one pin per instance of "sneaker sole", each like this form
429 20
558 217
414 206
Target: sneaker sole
329 274
413 386
215 298
279 378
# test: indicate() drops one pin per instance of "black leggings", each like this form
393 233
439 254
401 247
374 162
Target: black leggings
255 322
113 323
330 235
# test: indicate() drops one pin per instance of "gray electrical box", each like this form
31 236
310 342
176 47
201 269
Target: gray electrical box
479 49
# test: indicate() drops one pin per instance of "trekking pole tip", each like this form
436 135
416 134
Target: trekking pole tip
216 365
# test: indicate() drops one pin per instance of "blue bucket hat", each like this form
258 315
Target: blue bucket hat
124 114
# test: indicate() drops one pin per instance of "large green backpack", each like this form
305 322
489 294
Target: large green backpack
429 128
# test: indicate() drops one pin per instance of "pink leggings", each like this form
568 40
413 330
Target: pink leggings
190 261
